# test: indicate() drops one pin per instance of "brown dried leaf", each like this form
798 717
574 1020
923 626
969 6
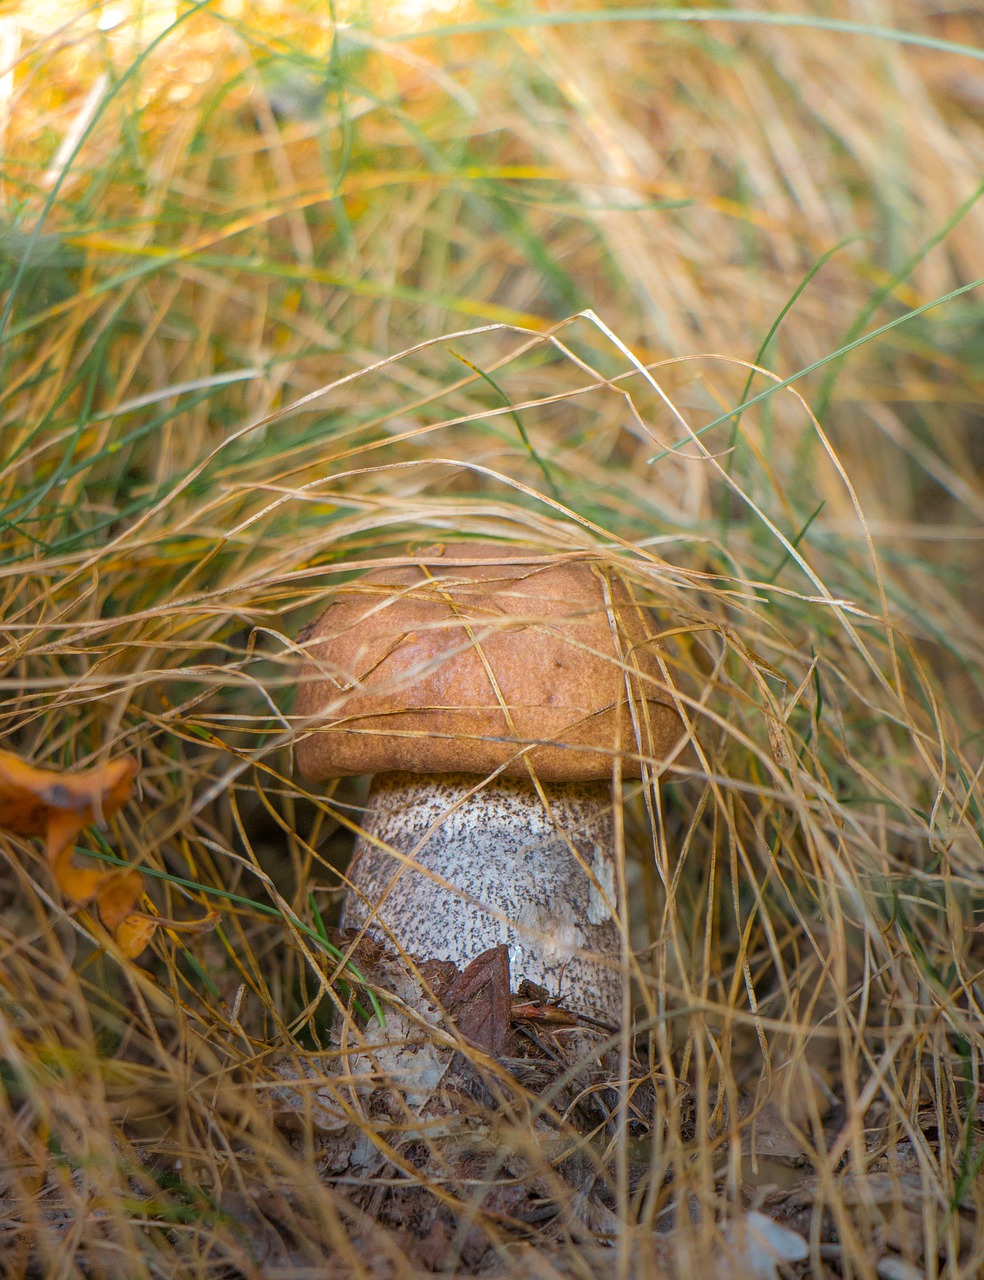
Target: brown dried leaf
479 1001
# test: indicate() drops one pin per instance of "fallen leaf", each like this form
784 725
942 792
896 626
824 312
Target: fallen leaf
57 806
136 929
118 894
133 933
478 1001
204 924
40 802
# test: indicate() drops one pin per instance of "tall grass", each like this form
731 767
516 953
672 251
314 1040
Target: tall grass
284 296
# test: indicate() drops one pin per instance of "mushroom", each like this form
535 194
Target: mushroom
490 690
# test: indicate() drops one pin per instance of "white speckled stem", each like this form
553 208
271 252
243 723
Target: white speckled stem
498 867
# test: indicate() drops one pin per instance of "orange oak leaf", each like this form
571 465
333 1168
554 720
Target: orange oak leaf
117 896
133 933
57 806
40 802
204 924
135 930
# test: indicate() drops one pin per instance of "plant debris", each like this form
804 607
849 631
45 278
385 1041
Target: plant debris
406 1119
58 806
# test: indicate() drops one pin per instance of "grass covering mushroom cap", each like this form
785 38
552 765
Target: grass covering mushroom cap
491 690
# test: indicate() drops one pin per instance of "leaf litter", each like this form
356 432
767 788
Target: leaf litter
460 1157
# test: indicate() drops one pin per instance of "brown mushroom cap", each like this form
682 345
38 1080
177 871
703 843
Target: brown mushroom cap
458 662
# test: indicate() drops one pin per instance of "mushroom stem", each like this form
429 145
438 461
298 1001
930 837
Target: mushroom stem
448 867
